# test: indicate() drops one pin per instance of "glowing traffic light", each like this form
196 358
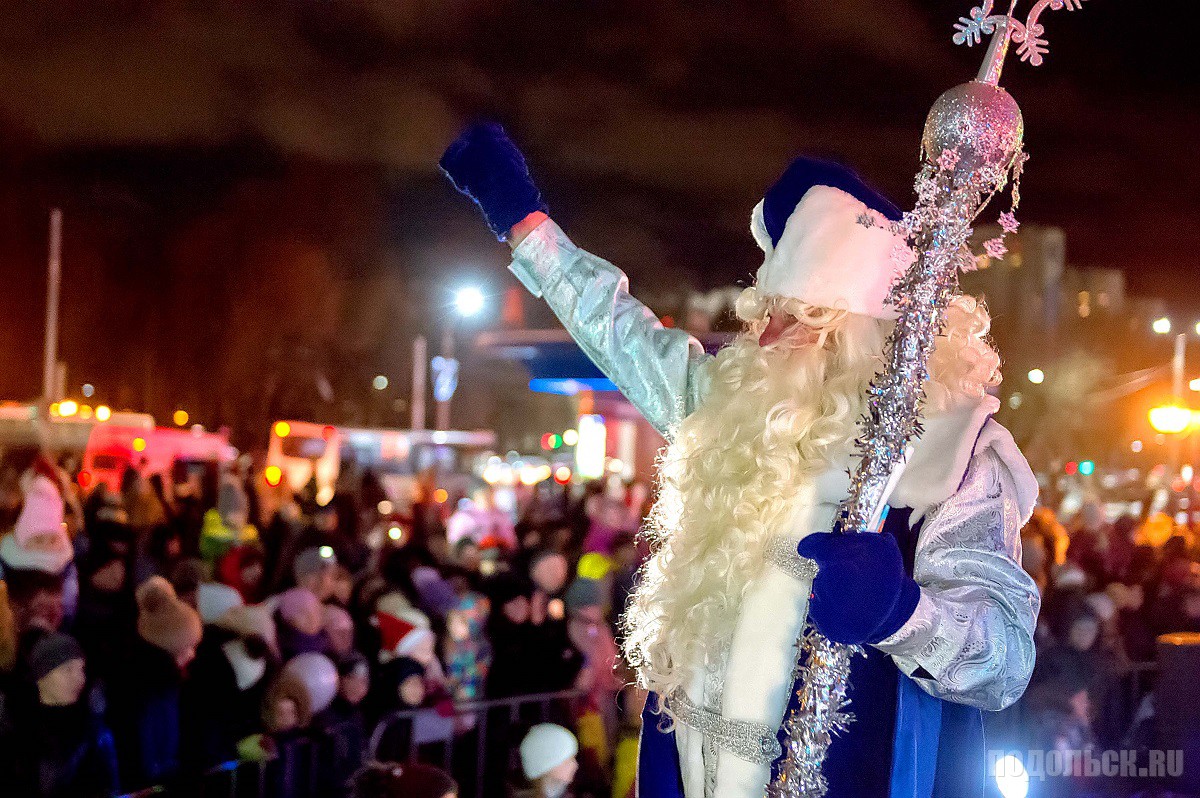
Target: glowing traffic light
1087 468
273 475
1072 468
551 441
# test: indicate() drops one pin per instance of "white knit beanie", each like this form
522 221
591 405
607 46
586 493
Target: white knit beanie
545 747
214 599
38 540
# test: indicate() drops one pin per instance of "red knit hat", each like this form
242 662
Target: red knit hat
397 635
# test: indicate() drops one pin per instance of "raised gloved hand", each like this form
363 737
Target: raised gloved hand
861 593
484 164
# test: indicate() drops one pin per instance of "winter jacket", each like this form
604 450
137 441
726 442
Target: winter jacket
215 713
59 752
145 715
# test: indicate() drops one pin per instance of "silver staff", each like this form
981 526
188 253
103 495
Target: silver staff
971 146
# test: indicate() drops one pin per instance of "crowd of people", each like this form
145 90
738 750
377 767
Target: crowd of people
1109 589
151 634
156 632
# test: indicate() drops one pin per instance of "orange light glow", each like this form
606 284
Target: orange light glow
139 444
1170 419
180 418
441 496
273 475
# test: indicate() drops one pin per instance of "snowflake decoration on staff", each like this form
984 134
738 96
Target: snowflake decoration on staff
1029 36
971 148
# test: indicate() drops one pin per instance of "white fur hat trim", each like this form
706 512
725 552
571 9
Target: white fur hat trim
835 252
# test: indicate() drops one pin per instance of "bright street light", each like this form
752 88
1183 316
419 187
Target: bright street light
1170 419
380 383
468 301
1195 384
1036 376
1161 326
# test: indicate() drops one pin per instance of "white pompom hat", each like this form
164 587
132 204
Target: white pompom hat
828 240
545 747
39 540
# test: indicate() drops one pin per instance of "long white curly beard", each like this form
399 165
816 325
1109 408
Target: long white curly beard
773 420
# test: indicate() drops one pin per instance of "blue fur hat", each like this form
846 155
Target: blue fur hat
828 240
804 173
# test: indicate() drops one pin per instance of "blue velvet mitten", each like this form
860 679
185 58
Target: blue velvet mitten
484 164
861 593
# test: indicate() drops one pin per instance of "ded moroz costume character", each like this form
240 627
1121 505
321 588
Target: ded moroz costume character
851 326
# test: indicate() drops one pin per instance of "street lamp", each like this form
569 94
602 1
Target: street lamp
1036 376
1161 326
468 301
380 383
1170 419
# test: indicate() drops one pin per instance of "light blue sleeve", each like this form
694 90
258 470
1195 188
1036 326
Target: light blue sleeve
972 631
660 370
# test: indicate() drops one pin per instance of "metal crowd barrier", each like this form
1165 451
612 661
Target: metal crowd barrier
472 740
468 724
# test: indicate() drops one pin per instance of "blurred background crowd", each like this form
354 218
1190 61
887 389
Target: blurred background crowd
178 631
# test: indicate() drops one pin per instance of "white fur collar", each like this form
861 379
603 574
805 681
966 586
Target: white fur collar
941 455
939 461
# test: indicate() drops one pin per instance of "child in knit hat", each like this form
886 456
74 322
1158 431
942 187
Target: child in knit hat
56 664
63 747
300 620
39 538
548 760
166 622
145 690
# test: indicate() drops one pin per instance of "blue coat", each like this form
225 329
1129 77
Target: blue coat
930 748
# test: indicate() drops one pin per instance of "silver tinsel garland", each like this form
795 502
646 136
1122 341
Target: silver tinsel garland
970 148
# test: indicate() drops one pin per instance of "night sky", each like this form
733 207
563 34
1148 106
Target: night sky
654 127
